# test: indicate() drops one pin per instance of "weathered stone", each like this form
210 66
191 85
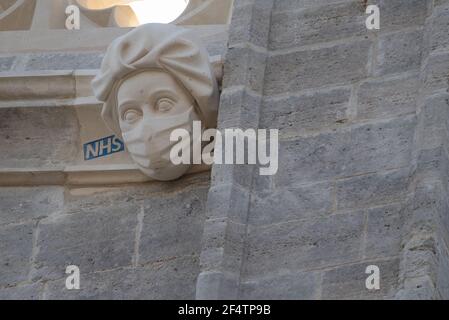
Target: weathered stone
304 244
439 35
433 163
306 112
372 189
354 150
440 2
317 24
380 145
34 137
382 98
288 5
172 226
223 245
216 285
98 240
244 67
228 201
22 203
6 63
435 72
399 52
238 109
362 179
294 286
172 279
442 282
304 69
290 203
384 231
22 292
64 61
348 282
398 14
16 247
421 288
250 23
434 114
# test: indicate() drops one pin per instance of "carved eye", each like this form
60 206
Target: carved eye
131 116
164 105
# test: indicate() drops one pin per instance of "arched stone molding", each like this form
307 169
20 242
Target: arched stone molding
118 13
45 14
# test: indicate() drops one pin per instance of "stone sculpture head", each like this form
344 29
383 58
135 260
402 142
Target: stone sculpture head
153 80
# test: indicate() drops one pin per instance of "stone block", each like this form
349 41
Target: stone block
353 150
217 286
300 245
317 24
64 61
173 279
399 52
306 112
172 225
442 282
101 239
433 163
384 231
16 247
376 146
238 109
315 158
228 201
439 34
291 286
244 67
22 292
434 115
348 282
421 288
440 2
435 72
6 63
35 137
291 203
288 5
27 203
398 14
305 69
222 246
250 23
372 189
384 98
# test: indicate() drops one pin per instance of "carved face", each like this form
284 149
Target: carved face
151 104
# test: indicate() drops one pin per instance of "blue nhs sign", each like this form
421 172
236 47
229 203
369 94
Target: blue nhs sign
102 147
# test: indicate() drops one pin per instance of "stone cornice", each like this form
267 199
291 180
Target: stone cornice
57 88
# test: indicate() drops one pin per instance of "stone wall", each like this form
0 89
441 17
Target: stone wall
363 153
129 240
362 180
137 241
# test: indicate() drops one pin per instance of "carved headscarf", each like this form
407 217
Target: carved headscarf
158 46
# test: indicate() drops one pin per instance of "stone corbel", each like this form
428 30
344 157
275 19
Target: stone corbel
154 80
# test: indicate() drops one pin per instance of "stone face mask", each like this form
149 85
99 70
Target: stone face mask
149 142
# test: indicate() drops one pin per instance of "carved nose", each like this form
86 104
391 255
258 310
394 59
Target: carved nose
146 132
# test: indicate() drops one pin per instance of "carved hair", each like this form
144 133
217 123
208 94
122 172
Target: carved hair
169 48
